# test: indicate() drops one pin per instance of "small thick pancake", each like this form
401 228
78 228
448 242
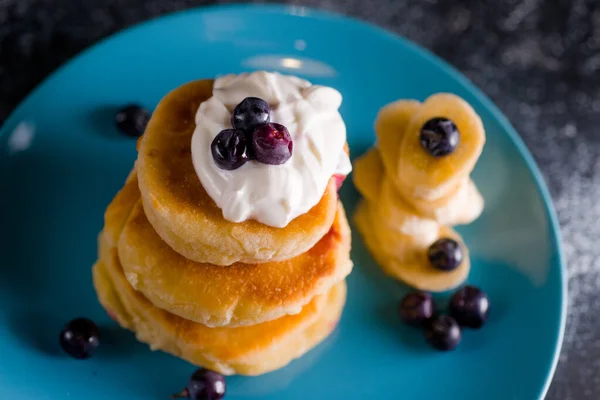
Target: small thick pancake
118 210
108 296
235 295
251 350
185 216
404 258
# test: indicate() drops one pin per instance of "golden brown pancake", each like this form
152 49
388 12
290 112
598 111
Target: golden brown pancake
185 216
118 210
248 350
235 295
108 296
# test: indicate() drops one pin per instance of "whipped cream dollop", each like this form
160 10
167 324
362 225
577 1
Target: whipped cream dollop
273 194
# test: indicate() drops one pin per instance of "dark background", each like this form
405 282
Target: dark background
539 61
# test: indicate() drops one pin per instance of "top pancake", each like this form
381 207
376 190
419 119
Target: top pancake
182 212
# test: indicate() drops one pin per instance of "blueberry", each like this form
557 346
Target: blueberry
80 338
229 149
271 144
416 308
204 385
442 332
470 306
132 120
439 137
251 112
445 254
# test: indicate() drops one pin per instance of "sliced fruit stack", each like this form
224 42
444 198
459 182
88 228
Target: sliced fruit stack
232 297
416 186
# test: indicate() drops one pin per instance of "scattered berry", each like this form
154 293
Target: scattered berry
271 144
445 254
439 137
132 120
416 308
443 333
229 149
470 306
250 113
80 338
204 384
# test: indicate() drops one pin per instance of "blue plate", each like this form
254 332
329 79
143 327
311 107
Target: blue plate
62 160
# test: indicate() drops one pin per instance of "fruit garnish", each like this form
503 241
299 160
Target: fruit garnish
132 120
229 149
470 306
112 315
80 338
339 180
445 254
250 113
430 178
204 384
443 332
439 137
416 308
271 144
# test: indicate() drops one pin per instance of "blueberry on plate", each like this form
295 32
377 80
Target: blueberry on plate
443 332
445 254
250 113
271 144
439 137
416 308
470 306
204 384
80 338
229 149
132 120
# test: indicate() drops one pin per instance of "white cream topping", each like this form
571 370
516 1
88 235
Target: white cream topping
273 194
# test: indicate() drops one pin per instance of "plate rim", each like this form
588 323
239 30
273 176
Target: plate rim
378 31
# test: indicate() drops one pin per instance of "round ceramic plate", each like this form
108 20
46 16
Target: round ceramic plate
62 160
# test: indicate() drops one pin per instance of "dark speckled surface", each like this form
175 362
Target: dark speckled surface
539 60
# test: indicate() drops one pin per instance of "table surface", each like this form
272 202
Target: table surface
536 59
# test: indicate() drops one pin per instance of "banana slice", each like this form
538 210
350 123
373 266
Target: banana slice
461 206
368 174
419 274
431 178
390 127
408 263
396 215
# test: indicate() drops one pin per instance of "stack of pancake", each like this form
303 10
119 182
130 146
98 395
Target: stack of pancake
237 298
